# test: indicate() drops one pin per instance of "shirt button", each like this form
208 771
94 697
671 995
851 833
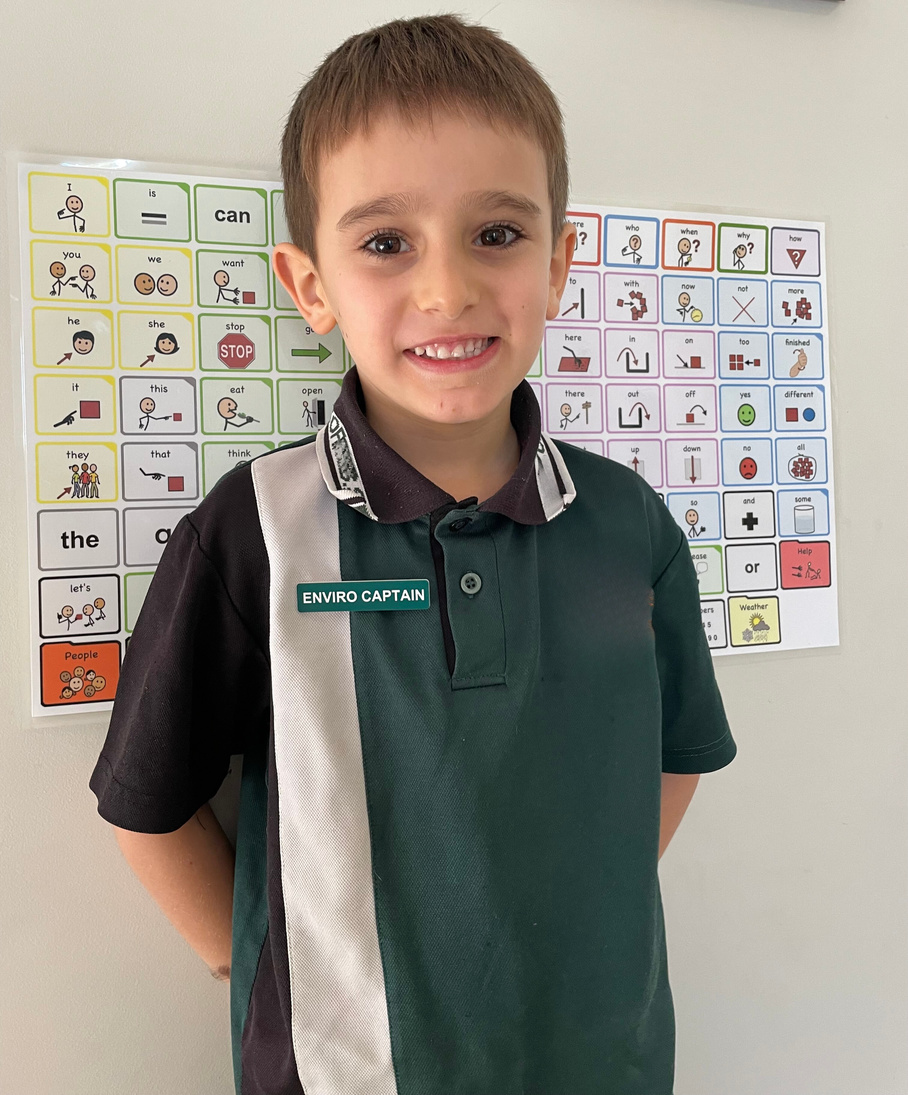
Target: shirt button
459 526
471 583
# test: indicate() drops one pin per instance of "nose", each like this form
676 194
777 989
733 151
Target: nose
446 280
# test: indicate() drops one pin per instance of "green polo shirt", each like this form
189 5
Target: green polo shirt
448 837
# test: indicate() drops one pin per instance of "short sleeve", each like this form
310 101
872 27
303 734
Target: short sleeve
695 732
194 690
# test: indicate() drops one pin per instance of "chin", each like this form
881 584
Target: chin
458 407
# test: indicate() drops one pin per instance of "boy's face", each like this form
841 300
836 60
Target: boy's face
429 261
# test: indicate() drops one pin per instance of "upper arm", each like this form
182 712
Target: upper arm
194 689
695 733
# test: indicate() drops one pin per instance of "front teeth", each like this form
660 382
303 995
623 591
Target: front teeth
470 348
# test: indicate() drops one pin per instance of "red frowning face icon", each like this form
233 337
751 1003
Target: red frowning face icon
748 467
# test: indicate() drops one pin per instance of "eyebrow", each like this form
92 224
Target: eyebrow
395 205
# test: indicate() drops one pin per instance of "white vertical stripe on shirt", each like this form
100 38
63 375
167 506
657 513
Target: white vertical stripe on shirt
339 1012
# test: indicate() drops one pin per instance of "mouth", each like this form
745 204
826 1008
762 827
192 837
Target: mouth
451 355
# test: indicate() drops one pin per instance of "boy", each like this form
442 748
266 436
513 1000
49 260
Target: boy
446 869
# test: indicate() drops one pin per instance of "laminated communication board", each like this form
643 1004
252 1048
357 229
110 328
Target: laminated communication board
159 352
694 350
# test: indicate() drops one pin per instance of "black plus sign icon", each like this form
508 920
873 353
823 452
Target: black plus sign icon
750 521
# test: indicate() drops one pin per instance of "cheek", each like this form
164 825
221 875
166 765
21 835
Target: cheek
526 299
367 307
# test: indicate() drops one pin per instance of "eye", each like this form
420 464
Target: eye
496 236
386 243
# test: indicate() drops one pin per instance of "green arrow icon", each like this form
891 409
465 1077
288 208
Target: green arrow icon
321 353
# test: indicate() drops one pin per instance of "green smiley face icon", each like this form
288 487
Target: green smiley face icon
746 414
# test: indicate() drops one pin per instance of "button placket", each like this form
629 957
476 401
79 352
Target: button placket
474 602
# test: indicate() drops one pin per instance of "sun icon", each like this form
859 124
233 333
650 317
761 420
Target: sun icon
755 621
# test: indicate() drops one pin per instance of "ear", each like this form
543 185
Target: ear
559 269
296 272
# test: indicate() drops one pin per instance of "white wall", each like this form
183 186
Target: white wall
785 889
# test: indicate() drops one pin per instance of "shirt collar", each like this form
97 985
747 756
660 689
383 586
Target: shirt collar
368 475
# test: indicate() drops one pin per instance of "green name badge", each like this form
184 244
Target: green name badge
392 596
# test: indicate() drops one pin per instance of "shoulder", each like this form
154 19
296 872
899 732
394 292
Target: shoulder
226 523
602 482
217 559
614 495
602 471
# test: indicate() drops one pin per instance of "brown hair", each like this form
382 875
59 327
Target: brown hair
414 67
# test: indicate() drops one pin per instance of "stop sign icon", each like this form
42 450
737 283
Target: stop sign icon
236 351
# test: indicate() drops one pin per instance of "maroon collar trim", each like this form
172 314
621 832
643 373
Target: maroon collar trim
365 473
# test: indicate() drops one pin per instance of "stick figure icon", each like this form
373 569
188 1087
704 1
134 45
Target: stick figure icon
87 274
71 210
227 410
58 273
93 480
686 306
632 250
566 409
684 249
76 487
147 406
693 520
222 280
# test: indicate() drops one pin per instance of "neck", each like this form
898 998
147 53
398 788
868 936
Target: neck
465 459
